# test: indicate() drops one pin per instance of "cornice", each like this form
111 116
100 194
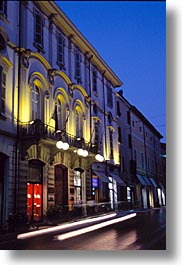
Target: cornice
68 28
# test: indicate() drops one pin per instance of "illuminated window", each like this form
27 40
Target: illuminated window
77 187
112 192
3 8
38 30
60 50
79 123
61 114
2 91
35 103
128 194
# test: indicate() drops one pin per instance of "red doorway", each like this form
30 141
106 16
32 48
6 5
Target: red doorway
35 191
34 201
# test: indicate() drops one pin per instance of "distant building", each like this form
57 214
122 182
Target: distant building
140 157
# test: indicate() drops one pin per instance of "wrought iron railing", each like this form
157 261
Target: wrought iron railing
40 130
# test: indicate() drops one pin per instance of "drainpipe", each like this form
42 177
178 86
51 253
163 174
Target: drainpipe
145 150
104 116
18 109
133 177
106 170
90 94
156 170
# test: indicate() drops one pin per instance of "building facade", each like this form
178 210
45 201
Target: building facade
140 162
59 119
57 114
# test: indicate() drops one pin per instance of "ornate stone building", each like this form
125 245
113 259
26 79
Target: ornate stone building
57 116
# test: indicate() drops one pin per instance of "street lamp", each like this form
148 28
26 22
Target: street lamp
61 145
99 158
82 152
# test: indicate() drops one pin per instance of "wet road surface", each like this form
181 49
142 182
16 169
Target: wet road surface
146 231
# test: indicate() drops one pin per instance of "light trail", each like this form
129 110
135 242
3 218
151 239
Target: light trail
93 227
60 227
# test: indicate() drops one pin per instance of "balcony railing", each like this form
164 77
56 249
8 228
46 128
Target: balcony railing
39 130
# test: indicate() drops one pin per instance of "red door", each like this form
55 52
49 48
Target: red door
34 201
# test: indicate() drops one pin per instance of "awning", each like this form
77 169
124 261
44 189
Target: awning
141 179
118 179
101 175
153 182
147 181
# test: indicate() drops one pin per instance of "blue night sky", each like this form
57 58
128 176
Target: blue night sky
131 38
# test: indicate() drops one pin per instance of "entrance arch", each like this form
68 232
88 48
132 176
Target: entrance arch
35 190
61 186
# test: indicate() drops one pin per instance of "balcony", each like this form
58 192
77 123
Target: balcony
36 131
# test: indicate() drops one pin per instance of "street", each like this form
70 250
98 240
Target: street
146 231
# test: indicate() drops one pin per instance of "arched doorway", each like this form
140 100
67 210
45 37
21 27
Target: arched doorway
35 190
61 186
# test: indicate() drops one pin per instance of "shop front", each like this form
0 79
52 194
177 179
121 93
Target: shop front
35 191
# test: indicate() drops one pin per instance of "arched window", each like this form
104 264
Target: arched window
2 91
79 124
35 103
60 110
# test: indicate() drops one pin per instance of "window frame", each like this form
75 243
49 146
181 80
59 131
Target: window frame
3 76
118 108
61 113
79 123
61 52
109 96
94 80
78 65
39 44
36 105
